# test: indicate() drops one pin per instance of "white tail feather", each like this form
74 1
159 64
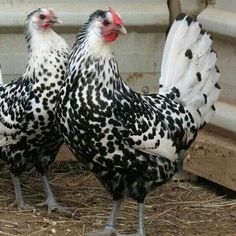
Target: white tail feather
189 66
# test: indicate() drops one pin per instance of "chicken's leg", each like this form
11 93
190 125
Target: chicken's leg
51 201
141 231
19 202
109 229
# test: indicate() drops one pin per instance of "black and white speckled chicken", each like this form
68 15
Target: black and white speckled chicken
29 135
131 141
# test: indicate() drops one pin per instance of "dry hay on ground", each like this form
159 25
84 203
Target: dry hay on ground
173 209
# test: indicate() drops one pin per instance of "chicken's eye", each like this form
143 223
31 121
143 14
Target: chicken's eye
42 16
106 22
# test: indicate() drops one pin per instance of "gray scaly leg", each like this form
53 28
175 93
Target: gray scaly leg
19 202
109 229
141 230
51 201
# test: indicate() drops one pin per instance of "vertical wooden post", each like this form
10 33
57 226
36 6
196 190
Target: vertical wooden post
175 9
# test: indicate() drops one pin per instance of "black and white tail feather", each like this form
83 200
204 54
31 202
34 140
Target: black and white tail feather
189 69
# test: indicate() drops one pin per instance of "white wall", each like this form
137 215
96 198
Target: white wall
226 5
139 53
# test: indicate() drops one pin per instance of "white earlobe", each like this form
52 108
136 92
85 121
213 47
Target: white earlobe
98 24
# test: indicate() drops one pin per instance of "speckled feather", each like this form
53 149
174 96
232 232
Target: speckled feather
27 104
128 140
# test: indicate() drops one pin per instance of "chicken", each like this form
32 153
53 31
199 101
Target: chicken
29 134
131 141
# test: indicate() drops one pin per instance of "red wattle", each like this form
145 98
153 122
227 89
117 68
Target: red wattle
45 25
111 37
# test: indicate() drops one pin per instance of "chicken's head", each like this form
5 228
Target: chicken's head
108 24
42 18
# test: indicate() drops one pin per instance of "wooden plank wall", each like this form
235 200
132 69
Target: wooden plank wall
213 157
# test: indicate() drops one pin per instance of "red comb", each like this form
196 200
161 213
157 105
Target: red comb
51 11
116 17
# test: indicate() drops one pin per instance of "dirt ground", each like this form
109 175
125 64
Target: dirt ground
176 208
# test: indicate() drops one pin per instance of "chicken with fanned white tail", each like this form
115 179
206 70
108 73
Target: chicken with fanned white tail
131 141
28 130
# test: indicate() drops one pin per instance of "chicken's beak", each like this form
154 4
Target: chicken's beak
55 19
122 29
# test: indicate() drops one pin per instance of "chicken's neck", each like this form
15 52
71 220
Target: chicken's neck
93 59
47 51
91 42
